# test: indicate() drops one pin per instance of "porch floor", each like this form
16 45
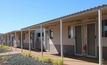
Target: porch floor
74 60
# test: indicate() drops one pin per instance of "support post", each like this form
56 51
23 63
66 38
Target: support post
41 40
2 40
11 35
44 39
15 42
61 44
34 39
29 42
100 36
21 41
7 40
15 35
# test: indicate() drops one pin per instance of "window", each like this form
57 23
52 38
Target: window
104 28
31 35
38 34
70 32
51 33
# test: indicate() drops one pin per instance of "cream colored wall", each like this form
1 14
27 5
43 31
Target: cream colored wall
26 40
55 41
71 41
104 39
66 40
17 39
83 23
56 34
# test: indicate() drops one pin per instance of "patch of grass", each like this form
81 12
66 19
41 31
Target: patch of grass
4 48
57 62
43 59
27 54
46 59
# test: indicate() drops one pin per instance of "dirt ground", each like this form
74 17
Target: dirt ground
68 61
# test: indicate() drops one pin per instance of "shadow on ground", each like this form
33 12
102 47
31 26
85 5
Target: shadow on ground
87 59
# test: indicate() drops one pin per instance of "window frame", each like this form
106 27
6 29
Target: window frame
51 33
104 23
70 32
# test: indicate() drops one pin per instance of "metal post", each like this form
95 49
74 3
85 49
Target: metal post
100 36
15 42
11 35
7 40
41 40
44 40
34 39
29 42
21 41
61 44
2 40
15 35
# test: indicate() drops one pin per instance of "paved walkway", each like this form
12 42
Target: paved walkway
70 61
67 61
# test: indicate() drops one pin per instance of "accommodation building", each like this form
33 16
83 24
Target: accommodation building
74 34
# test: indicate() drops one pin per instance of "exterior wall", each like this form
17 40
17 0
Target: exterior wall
18 39
54 43
26 40
37 40
8 39
36 44
104 39
32 40
68 44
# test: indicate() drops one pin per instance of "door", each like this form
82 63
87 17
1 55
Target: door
78 40
32 37
37 41
47 41
91 47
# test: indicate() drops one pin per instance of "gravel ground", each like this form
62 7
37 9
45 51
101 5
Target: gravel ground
21 60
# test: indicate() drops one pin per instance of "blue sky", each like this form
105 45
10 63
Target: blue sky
16 14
